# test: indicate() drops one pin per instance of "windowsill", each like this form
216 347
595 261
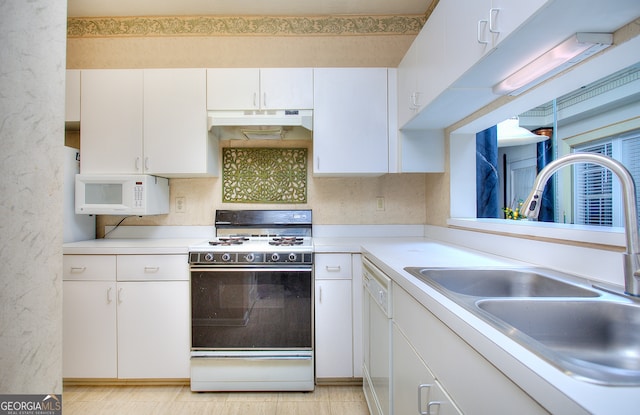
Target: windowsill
581 234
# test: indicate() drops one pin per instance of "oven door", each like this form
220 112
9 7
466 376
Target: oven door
251 309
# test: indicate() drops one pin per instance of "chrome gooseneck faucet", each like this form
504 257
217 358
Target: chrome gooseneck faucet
632 254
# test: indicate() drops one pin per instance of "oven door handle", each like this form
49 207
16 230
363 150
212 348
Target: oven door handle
249 268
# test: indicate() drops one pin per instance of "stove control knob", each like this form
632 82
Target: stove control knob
250 257
226 257
292 257
275 257
208 257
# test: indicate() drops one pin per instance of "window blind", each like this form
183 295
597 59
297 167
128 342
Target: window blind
594 189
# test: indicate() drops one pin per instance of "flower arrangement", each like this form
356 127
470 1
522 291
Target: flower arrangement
514 213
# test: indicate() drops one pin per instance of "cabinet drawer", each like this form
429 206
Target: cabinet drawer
89 267
333 266
152 267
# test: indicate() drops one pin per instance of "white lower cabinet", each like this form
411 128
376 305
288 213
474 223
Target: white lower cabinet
89 341
415 389
333 329
153 329
137 328
473 384
338 327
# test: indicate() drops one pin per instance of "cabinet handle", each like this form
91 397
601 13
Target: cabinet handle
77 270
146 163
109 295
318 162
482 23
320 294
493 18
151 269
119 295
420 388
414 101
254 99
137 163
264 99
333 268
431 404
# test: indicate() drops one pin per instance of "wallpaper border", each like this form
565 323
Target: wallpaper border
92 27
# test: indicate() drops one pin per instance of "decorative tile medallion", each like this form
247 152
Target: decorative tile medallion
264 175
84 27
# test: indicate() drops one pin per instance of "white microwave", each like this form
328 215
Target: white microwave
101 194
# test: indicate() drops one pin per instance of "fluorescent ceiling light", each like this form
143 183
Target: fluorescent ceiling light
568 53
511 134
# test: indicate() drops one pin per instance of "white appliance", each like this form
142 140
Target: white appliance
100 194
377 327
75 227
252 303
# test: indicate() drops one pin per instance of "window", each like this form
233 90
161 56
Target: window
597 199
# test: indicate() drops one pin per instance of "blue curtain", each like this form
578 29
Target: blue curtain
487 182
545 156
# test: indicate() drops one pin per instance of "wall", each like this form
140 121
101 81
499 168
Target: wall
273 42
333 200
32 79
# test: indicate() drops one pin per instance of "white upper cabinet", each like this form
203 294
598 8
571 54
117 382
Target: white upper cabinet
259 89
111 125
176 141
457 37
350 134
150 121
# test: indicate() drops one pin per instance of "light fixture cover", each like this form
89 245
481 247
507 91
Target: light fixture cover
564 55
511 134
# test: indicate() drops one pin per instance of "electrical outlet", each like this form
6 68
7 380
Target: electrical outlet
379 203
181 204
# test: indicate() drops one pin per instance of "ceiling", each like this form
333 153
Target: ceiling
102 8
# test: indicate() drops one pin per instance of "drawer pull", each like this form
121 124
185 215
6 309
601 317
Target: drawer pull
334 268
77 270
109 295
151 269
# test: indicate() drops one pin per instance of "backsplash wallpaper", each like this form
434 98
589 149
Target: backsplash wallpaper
264 175
334 200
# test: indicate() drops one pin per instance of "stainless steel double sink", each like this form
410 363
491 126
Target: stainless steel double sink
584 331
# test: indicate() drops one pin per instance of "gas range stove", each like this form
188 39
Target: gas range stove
257 237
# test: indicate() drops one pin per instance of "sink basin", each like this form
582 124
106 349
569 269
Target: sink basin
596 340
500 282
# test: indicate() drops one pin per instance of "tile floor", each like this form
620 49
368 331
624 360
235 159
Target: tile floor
179 400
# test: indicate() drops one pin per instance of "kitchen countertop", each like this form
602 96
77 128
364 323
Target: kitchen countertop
555 390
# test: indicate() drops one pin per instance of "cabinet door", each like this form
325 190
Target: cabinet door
153 329
420 68
175 122
333 321
233 88
350 134
89 345
415 390
507 15
111 127
286 88
467 37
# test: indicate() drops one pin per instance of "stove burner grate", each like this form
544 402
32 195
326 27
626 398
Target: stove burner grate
228 241
286 241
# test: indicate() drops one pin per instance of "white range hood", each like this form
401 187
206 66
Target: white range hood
265 125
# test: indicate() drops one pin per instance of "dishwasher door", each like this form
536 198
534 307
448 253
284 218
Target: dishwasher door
376 339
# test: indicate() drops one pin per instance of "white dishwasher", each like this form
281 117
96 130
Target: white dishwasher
376 338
